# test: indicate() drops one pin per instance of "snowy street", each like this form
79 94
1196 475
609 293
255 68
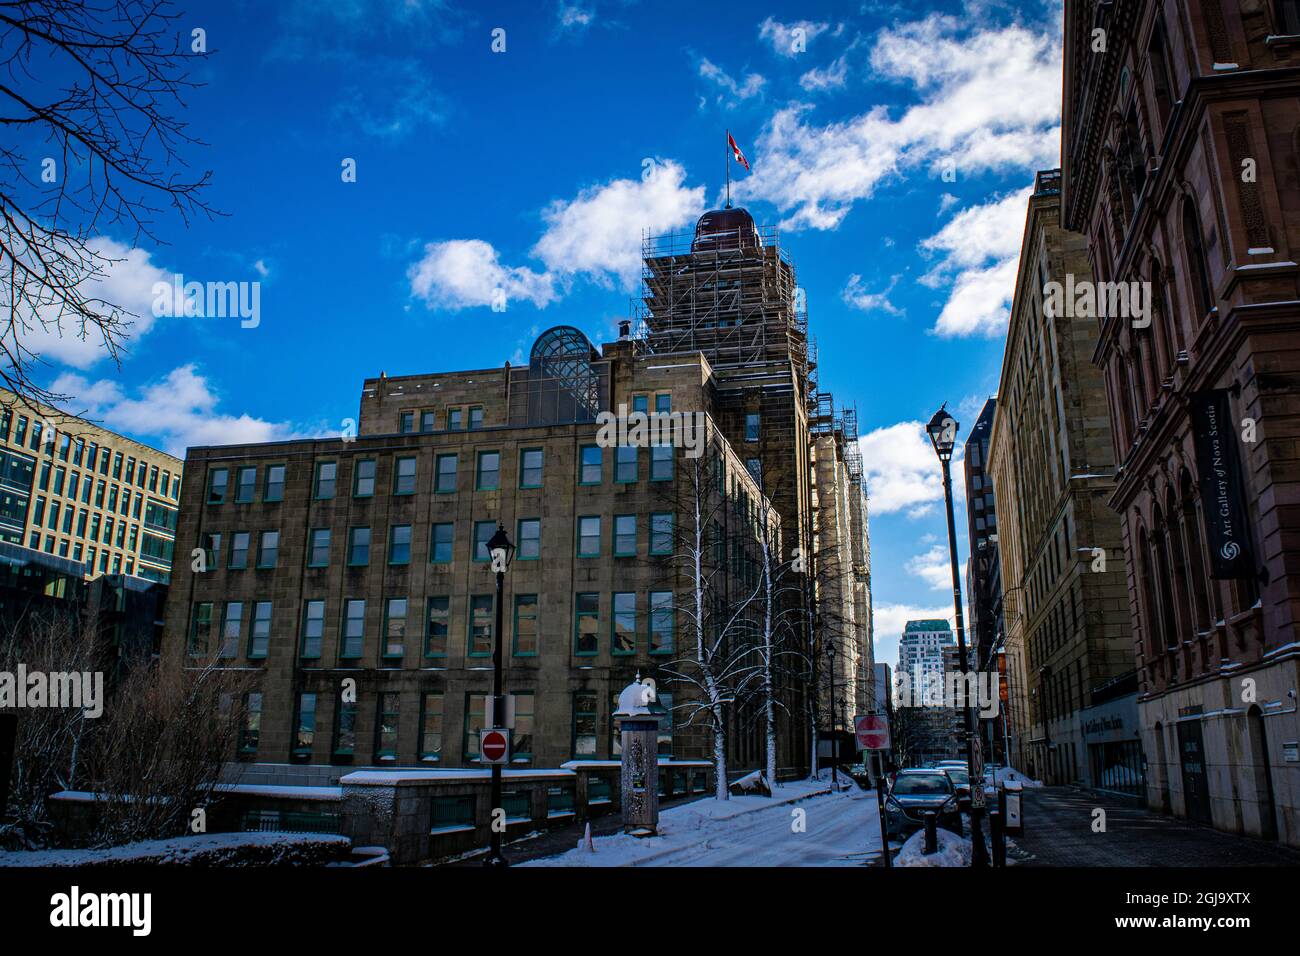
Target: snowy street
839 829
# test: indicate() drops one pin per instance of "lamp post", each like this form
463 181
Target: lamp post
502 550
830 654
943 436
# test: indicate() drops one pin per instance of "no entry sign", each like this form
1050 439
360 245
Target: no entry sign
494 745
872 732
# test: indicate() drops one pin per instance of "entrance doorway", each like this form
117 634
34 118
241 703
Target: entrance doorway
1196 782
1263 773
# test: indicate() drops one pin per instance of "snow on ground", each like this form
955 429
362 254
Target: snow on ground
952 851
1010 775
211 849
802 824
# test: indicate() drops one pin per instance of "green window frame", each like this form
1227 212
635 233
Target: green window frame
475 717
274 487
663 622
353 645
218 485
406 423
586 722
245 484
268 549
363 478
404 475
305 721
240 543
259 634
313 629
479 626
325 485
626 465
399 544
525 637
591 470
530 467
586 624
437 625
345 728
455 419
661 532
318 548
428 420
432 710
358 547
232 627
445 474
528 534
622 628
661 463
395 610
588 536
521 737
625 536
483 531
442 537
386 725
641 403
487 471
251 733
475 417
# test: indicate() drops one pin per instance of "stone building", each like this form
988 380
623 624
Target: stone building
1052 464
372 564
77 491
1180 166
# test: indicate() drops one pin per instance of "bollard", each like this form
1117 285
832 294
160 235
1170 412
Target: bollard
999 835
931 832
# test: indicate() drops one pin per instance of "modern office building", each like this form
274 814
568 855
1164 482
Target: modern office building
351 576
77 491
1180 167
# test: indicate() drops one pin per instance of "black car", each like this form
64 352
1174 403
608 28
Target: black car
915 793
961 785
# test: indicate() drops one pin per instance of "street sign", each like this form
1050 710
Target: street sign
872 732
490 718
494 745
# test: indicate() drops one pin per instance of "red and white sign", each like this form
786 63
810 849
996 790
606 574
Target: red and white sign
494 745
872 732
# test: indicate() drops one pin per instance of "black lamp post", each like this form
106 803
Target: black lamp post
502 551
943 436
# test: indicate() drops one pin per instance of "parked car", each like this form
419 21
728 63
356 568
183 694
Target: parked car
915 793
860 775
961 784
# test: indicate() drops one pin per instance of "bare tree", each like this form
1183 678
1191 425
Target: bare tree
89 91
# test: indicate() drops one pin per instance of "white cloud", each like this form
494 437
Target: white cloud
855 294
573 16
888 621
461 273
177 413
752 85
979 250
830 78
783 38
934 567
901 469
987 99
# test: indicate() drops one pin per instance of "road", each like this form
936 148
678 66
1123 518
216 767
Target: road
1059 832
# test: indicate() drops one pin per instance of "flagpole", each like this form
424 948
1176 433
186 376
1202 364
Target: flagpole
728 206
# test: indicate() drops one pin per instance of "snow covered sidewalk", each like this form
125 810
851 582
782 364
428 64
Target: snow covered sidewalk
802 824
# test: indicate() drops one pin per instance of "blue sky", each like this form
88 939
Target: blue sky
892 144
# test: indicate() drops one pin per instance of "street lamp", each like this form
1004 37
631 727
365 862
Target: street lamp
502 551
943 436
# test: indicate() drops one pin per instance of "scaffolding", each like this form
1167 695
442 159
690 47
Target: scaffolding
730 293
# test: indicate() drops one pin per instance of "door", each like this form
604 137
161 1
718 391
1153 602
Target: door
1196 786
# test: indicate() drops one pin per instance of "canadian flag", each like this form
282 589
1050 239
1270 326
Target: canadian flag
740 157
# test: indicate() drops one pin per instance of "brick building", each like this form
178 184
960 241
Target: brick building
1065 625
1181 138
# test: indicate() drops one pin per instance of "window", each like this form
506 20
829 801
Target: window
435 631
404 477
440 542
455 419
483 531
525 625
268 551
318 549
625 463
584 724
755 468
662 622
661 532
354 629
345 729
445 482
274 483
1198 264
306 729
530 468
358 547
232 625
259 641
640 403
529 547
664 403
218 479
752 426
246 484
591 472
399 544
665 740
521 738
624 623
406 424
624 536
239 544
1288 17
428 421
364 480
589 536
395 628
251 733
431 709
475 710
489 471
480 625
661 462
586 624
313 628
326 479
476 417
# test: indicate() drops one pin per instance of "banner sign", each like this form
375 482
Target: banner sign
1223 499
